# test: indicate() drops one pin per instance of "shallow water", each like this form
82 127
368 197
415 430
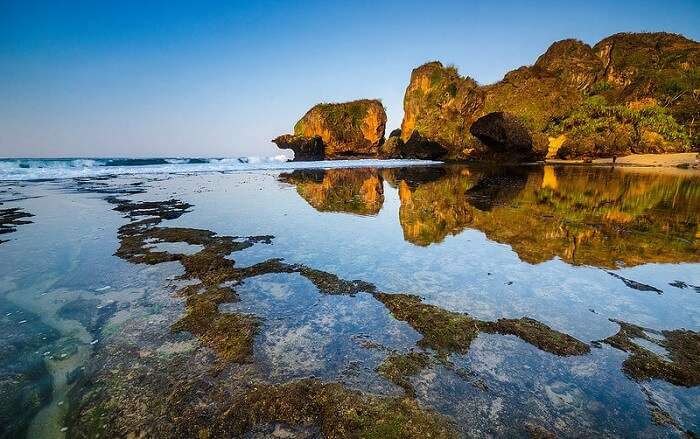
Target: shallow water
93 338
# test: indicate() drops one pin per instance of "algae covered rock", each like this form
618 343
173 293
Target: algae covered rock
391 148
439 107
349 129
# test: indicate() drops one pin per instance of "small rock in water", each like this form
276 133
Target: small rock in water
103 288
94 341
22 321
60 402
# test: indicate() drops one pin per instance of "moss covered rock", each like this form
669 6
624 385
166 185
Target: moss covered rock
646 90
349 129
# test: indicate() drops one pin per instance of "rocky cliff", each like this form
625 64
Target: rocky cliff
635 93
329 131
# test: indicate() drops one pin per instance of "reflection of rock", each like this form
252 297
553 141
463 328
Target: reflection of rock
583 216
496 188
414 176
357 191
349 129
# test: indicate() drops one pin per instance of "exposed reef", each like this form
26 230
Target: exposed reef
133 391
398 368
636 285
339 412
330 131
446 331
11 218
681 365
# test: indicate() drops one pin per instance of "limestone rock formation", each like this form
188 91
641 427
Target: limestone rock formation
503 132
344 130
628 93
391 148
305 148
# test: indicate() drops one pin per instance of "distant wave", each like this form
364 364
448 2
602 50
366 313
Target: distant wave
40 169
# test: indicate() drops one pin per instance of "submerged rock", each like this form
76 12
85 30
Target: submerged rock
328 131
682 365
25 382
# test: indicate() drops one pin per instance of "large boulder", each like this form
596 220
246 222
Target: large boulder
346 130
305 148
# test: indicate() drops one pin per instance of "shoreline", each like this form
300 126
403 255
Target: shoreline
684 160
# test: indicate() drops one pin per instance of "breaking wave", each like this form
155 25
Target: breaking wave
43 169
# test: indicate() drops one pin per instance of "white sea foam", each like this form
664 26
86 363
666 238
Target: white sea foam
38 169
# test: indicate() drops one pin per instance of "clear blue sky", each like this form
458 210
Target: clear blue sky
171 78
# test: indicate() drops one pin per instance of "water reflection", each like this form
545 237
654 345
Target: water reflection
586 216
339 190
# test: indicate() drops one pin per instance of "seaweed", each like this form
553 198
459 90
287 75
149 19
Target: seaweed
446 331
339 412
398 368
682 367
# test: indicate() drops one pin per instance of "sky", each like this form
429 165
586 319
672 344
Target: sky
220 79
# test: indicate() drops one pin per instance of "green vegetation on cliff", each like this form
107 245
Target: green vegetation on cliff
598 128
348 128
628 93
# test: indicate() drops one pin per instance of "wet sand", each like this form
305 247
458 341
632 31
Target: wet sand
678 160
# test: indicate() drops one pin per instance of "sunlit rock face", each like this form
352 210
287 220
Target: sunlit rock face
349 129
589 216
357 191
630 93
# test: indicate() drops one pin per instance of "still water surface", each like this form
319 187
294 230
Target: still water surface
492 301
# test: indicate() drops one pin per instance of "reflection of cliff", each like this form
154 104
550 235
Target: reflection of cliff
357 191
433 210
586 216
